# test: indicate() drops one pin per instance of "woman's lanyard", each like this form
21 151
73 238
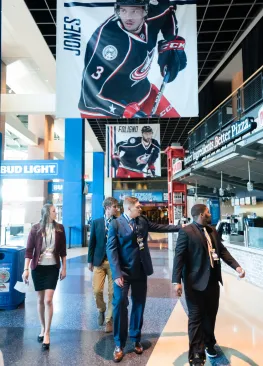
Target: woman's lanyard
48 247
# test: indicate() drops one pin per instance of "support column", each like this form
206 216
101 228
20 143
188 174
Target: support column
41 126
73 197
98 185
2 116
2 120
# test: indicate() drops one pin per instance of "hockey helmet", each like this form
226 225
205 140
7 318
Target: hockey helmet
132 3
147 129
143 3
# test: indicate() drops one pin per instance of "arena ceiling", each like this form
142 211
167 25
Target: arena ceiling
219 24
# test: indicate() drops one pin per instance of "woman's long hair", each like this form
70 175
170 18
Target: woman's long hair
45 216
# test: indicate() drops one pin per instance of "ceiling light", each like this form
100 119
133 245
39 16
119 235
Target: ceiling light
248 157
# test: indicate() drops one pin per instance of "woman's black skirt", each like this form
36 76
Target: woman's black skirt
45 277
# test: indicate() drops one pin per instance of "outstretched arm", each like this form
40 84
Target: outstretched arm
159 228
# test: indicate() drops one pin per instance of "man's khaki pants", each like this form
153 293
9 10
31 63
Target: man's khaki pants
99 276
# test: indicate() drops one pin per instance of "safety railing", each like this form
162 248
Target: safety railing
233 108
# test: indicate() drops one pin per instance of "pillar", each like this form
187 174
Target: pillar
98 185
2 116
237 81
2 119
73 197
42 127
108 186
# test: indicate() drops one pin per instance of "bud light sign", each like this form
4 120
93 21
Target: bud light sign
32 169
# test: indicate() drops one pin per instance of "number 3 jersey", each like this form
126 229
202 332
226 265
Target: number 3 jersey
135 154
117 62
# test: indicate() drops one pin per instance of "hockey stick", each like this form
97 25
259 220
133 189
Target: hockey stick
136 171
160 93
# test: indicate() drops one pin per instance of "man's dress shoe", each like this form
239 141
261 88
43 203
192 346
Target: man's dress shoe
118 354
138 348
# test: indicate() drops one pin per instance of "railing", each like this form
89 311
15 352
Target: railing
233 108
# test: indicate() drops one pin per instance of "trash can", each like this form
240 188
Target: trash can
11 270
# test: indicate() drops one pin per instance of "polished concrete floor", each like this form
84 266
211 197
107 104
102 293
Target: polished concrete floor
77 340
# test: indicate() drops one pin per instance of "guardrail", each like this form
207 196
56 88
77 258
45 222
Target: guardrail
233 108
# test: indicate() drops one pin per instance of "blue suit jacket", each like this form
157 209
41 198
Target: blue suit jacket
97 242
122 248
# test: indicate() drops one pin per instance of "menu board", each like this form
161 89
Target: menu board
242 201
236 201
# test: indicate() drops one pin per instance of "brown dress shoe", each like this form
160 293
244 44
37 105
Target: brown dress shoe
109 327
118 354
138 348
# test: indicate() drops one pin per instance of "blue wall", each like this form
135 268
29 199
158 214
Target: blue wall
98 185
73 198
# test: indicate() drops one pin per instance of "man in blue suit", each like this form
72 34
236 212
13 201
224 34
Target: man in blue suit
130 263
98 261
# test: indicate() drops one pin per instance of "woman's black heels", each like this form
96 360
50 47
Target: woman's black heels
40 339
45 346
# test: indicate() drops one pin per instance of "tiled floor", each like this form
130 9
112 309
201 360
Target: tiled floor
77 340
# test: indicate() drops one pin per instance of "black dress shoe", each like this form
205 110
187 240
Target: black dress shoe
45 346
118 354
138 348
40 339
197 360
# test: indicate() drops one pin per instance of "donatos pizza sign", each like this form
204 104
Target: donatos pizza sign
234 131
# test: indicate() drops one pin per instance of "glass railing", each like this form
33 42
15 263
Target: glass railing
233 108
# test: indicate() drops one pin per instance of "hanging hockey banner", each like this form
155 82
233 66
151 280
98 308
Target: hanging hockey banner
126 59
133 151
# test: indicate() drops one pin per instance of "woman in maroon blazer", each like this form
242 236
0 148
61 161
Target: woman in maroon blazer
45 246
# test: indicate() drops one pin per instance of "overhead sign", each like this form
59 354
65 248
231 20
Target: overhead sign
260 117
142 196
149 196
32 169
116 62
235 130
177 166
55 187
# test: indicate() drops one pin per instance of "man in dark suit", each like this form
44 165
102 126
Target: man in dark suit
98 262
130 262
197 261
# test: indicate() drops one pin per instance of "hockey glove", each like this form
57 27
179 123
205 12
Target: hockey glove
151 168
115 161
133 110
172 56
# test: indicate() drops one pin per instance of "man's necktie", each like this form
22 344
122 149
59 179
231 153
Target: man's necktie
210 247
132 224
107 227
107 224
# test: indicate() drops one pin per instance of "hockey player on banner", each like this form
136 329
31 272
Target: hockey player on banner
119 56
135 157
